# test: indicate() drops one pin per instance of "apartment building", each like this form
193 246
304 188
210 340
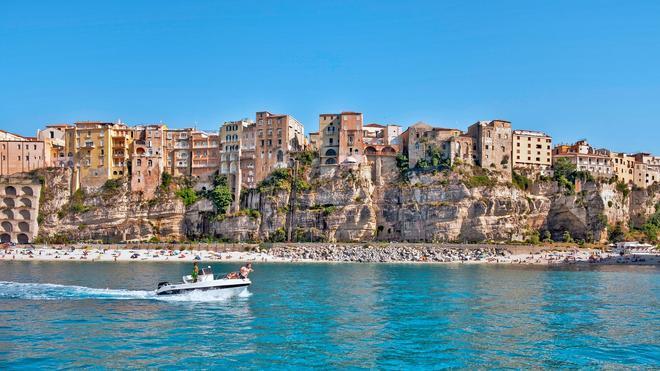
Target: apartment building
277 136
53 138
623 166
647 170
340 138
586 158
237 137
19 154
248 157
148 158
178 151
492 142
532 152
97 151
205 154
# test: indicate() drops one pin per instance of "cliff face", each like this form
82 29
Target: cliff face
346 205
342 204
109 214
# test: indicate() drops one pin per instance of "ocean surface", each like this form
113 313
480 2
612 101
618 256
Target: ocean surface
73 315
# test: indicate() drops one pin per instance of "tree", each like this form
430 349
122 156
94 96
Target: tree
616 233
563 167
166 179
221 196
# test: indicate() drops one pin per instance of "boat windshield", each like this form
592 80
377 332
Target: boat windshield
206 271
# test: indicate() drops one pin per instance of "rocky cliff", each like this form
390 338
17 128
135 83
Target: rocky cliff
348 204
459 206
111 213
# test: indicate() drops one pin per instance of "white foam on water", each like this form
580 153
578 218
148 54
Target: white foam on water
50 291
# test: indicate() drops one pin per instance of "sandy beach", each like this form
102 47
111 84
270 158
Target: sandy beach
529 256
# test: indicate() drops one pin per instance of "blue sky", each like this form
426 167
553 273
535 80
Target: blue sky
574 69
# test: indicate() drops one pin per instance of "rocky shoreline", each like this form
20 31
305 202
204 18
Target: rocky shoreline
376 254
339 253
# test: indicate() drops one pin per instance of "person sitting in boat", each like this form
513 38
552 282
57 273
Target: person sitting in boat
245 271
232 276
195 272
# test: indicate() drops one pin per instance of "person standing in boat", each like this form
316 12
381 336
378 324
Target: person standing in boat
195 272
245 271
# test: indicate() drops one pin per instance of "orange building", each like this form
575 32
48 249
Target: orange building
340 138
205 154
147 158
276 137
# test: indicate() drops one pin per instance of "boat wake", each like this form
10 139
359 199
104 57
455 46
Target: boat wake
50 291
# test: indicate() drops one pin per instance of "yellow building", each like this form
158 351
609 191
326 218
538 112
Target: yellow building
623 166
98 151
532 152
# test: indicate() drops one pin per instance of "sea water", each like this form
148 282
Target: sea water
392 316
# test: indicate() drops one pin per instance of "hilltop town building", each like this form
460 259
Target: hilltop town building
53 138
532 152
340 138
623 166
236 146
147 158
97 151
205 155
492 141
422 141
178 151
586 158
277 136
647 170
20 154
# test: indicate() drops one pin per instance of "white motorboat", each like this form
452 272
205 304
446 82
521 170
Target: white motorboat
205 281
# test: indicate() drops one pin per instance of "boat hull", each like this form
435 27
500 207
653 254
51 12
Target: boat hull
202 286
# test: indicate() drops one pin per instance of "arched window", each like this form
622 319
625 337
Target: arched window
23 227
27 191
22 238
370 150
149 163
331 152
139 162
280 156
9 202
330 161
8 213
7 227
10 191
5 238
25 214
26 202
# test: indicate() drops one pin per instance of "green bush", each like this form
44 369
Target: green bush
521 181
622 188
279 179
534 238
187 195
165 179
567 237
112 185
480 181
279 235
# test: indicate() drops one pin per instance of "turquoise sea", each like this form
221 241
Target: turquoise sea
399 316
